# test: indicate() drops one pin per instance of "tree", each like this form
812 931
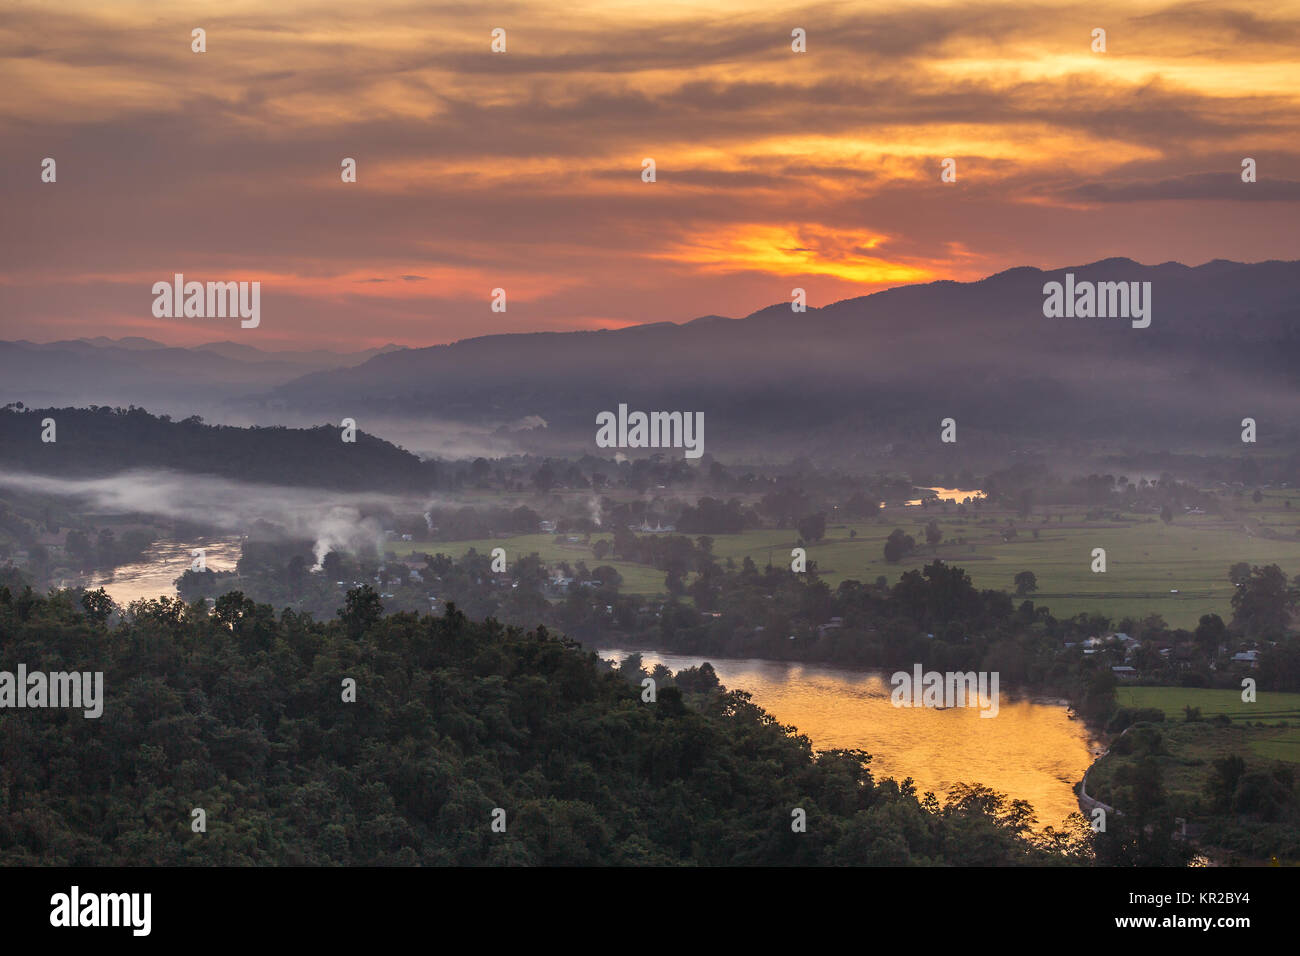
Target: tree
1239 573
98 605
1225 774
544 478
632 668
675 582
332 564
939 594
1026 583
1166 514
1025 502
1143 835
898 545
711 516
1262 605
1210 634
813 527
933 535
624 543
783 505
607 576
861 506
363 609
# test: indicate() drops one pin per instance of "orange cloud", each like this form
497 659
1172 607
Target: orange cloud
790 250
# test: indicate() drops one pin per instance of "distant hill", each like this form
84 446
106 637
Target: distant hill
140 371
103 341
104 441
863 382
316 358
1222 344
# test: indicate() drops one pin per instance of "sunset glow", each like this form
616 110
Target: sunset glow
522 170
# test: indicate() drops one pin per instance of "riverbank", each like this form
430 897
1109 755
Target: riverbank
1242 815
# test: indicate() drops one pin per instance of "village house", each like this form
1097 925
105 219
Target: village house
1246 657
833 624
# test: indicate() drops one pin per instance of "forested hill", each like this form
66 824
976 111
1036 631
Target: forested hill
101 440
241 713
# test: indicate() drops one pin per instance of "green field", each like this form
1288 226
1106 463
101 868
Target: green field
1186 766
1269 743
1146 559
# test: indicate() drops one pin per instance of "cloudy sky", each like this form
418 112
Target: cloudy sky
522 169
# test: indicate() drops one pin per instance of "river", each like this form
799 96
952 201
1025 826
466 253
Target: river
956 495
1030 750
156 573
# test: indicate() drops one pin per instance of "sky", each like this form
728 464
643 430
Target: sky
523 170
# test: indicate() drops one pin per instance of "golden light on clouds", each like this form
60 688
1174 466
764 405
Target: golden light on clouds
791 250
522 170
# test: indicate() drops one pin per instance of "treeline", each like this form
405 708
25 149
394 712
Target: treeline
674 553
466 523
934 616
105 549
252 717
102 440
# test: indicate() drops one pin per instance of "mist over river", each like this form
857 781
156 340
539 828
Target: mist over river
1030 750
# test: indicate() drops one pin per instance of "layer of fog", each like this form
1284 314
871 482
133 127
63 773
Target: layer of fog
333 520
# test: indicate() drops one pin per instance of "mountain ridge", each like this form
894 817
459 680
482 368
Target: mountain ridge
902 356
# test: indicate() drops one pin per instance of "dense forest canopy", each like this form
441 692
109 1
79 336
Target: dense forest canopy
241 713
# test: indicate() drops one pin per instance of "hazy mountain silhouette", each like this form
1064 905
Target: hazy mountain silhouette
1222 345
864 377
140 371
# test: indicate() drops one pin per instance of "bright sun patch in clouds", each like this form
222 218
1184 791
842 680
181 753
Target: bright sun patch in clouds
796 250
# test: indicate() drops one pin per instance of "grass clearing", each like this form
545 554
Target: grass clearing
1269 743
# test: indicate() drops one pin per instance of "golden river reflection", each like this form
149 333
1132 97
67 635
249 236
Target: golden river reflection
162 564
1031 751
